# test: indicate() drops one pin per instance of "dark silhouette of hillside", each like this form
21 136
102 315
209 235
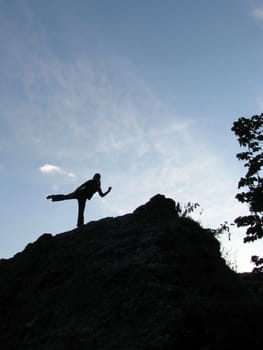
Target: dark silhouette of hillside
145 280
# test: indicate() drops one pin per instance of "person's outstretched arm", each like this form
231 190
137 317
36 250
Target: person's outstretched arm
105 193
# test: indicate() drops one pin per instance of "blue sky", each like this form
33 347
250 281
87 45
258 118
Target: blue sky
144 92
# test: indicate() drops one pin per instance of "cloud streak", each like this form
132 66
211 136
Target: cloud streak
258 13
50 169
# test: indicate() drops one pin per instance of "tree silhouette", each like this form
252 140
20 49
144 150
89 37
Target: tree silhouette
249 132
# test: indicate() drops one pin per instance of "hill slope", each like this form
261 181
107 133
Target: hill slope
146 280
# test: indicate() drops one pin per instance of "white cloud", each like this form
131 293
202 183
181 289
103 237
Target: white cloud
258 13
50 169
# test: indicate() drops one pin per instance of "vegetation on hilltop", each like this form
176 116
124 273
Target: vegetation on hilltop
249 132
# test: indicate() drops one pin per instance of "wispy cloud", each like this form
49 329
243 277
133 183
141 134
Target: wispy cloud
50 169
258 13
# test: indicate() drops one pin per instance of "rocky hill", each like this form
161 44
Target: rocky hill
146 280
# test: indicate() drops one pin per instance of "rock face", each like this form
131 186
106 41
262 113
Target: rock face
146 280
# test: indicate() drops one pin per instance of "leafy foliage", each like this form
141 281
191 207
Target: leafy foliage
186 209
258 262
249 132
223 228
229 258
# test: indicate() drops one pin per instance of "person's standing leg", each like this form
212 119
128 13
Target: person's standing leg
81 208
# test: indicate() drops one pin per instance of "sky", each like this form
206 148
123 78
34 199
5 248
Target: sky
144 92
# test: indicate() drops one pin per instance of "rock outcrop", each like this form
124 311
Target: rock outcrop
146 280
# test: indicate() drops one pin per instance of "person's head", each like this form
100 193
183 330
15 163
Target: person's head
96 177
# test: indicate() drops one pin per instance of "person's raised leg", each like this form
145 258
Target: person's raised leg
56 197
61 197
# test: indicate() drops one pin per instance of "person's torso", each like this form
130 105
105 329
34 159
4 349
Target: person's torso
90 188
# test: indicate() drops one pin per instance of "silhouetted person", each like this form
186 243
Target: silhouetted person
82 193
